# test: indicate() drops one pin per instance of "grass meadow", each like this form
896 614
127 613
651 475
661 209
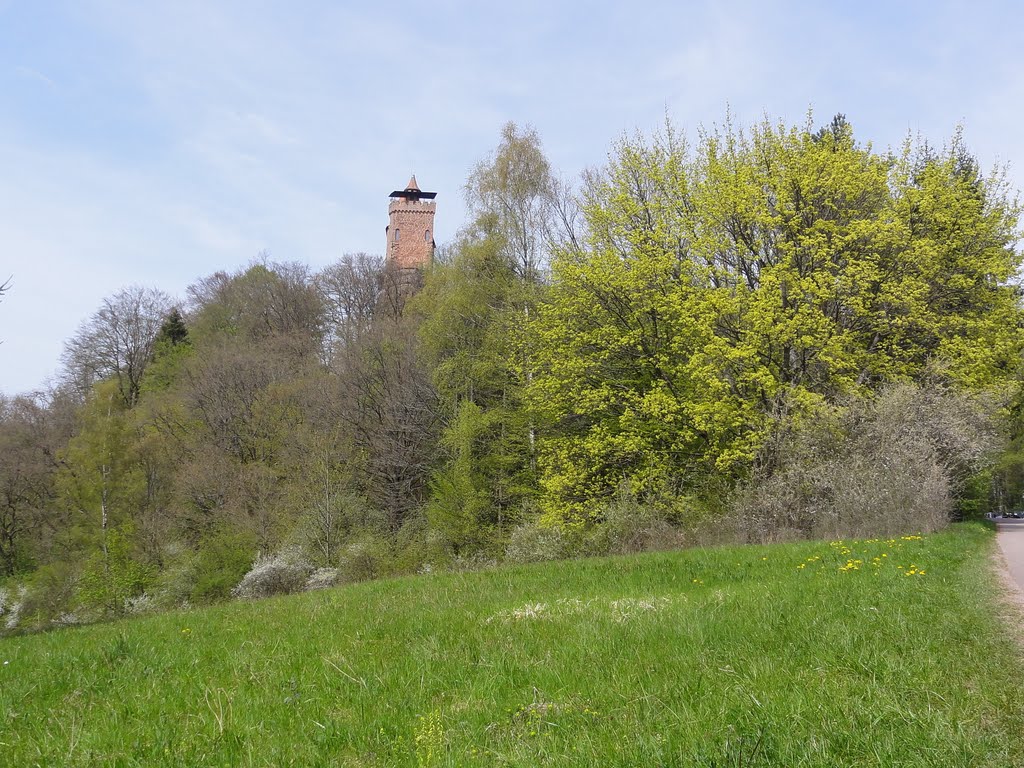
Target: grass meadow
858 653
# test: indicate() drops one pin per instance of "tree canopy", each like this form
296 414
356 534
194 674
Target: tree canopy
760 272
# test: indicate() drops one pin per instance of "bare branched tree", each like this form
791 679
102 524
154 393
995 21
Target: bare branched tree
392 411
350 289
268 300
33 429
117 341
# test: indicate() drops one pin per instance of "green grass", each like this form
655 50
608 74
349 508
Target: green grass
724 657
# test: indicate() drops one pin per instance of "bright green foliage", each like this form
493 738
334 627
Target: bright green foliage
762 272
101 483
703 303
219 565
473 311
111 576
460 504
465 328
957 232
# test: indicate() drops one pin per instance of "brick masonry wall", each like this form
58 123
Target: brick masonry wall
413 220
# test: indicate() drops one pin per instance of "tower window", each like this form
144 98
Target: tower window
396 234
426 236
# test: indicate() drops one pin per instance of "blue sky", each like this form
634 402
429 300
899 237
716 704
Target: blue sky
154 143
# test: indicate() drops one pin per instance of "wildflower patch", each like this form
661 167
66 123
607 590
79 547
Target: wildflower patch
869 555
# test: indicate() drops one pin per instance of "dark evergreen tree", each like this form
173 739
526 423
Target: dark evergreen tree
173 331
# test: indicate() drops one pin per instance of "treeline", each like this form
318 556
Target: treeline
773 332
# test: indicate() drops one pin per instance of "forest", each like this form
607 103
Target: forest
758 333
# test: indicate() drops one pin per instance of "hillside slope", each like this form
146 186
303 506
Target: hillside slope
883 653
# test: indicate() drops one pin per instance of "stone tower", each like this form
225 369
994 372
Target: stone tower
410 229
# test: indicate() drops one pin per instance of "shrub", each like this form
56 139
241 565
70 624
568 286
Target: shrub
890 464
219 565
532 543
279 574
48 595
419 548
629 526
322 578
622 525
173 587
362 559
323 529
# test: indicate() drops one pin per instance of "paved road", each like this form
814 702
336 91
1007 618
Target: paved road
1011 541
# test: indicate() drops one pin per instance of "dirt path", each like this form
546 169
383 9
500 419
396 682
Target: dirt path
1011 542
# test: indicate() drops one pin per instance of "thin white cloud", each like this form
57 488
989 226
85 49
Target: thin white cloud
33 74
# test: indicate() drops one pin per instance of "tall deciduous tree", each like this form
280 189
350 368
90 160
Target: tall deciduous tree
472 313
267 302
117 341
765 271
351 290
102 486
390 407
32 431
516 187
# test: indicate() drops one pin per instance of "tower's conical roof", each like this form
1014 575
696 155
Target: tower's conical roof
412 191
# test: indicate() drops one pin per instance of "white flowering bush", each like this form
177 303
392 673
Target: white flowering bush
322 578
140 605
11 606
529 543
282 573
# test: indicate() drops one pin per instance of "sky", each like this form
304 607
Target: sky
153 143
